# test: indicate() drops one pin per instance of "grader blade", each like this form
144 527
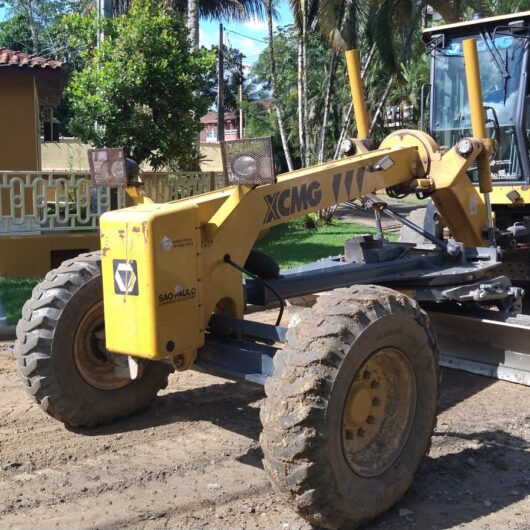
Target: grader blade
489 343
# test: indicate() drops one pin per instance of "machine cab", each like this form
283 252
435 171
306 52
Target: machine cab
503 48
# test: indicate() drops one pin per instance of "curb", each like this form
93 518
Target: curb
8 332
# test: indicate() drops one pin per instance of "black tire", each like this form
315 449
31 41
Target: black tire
305 420
48 343
262 265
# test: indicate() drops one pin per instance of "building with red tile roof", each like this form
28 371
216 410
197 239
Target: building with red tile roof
28 83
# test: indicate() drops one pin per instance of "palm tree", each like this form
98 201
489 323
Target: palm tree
340 23
305 12
389 25
279 114
218 9
194 10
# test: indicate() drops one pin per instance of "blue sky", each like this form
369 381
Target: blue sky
249 37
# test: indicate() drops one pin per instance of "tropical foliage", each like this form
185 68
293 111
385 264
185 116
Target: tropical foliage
140 88
312 91
297 91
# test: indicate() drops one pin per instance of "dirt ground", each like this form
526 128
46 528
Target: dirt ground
192 461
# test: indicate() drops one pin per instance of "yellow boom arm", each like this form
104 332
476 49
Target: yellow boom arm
164 272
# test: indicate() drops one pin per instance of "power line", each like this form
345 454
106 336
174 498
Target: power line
261 41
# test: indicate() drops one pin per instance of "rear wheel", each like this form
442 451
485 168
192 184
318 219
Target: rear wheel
61 352
351 406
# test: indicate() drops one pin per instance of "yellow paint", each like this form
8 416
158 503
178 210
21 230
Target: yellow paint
229 221
474 88
71 155
35 255
161 245
454 194
357 93
66 155
19 141
476 107
498 195
457 200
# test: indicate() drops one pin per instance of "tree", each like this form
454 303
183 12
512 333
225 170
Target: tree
274 86
15 34
139 88
194 10
31 22
339 22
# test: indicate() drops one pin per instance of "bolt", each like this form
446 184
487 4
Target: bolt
349 435
465 147
370 420
376 402
178 361
374 384
360 433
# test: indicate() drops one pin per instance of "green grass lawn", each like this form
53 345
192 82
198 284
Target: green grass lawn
292 244
14 292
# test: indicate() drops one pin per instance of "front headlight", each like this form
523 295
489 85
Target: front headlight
248 162
245 166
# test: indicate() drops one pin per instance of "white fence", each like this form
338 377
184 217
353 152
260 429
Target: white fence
40 202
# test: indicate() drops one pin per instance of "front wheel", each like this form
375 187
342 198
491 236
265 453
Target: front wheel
61 354
351 406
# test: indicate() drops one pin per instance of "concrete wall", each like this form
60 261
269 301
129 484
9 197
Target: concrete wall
29 255
19 140
212 160
71 154
68 154
19 135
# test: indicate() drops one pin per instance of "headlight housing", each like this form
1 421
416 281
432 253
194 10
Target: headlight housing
248 162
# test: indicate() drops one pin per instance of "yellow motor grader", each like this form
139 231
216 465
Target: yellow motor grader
351 383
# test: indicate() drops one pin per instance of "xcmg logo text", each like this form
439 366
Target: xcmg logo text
292 200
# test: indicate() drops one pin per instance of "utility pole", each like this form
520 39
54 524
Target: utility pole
221 89
241 128
104 11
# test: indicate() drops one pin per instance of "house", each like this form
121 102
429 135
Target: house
30 243
209 131
28 84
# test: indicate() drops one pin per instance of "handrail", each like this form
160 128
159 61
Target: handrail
39 202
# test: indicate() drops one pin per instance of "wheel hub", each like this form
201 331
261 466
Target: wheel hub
96 365
378 412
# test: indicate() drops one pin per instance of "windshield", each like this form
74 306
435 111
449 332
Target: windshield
500 69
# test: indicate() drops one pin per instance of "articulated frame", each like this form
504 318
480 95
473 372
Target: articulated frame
164 268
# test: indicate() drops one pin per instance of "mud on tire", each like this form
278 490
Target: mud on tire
351 406
46 340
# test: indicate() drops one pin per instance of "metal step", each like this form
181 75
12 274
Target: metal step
489 343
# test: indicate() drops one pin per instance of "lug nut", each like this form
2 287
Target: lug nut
370 420
374 384
366 374
376 402
360 433
349 435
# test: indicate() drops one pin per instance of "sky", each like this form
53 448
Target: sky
248 37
